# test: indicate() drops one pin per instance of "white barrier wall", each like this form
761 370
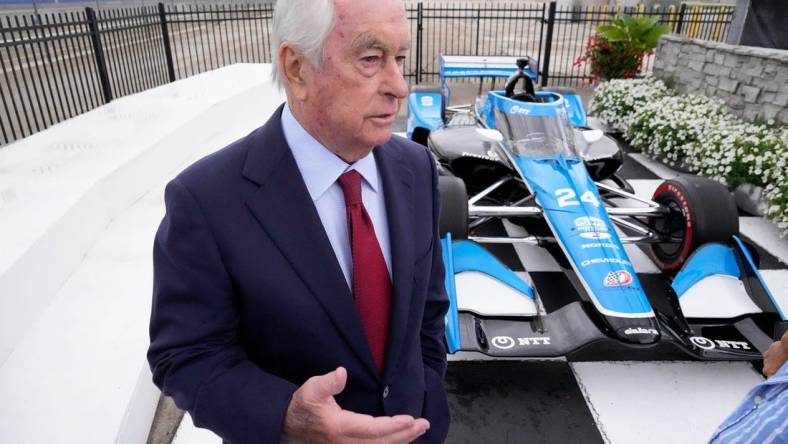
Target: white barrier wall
79 205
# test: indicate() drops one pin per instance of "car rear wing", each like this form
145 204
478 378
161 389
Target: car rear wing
483 66
454 67
426 103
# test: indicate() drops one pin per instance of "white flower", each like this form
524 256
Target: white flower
697 132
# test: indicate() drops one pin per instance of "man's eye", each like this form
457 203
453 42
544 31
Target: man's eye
400 60
370 59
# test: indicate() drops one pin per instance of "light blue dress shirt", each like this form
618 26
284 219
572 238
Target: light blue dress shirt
762 418
320 169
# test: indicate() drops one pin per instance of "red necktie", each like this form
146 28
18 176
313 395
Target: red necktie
371 283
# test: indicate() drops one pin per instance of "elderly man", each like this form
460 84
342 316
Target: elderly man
298 282
763 415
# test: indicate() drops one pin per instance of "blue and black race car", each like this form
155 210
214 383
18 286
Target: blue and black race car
525 156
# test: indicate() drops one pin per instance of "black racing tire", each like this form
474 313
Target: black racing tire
702 211
420 135
454 207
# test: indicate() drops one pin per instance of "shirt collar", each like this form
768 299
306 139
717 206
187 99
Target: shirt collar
320 167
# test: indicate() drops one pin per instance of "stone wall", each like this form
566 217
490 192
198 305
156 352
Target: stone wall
752 81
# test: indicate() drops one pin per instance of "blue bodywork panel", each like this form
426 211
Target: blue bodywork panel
460 256
470 256
497 100
575 110
452 318
460 72
577 216
752 268
424 110
724 260
711 259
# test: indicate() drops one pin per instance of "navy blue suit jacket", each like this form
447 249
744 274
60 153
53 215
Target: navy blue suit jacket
249 300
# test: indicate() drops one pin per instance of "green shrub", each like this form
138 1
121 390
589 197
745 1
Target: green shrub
617 49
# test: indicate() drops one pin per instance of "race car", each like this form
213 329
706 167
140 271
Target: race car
525 156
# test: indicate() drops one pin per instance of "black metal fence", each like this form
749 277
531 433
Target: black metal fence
555 35
570 28
47 72
206 37
494 29
58 65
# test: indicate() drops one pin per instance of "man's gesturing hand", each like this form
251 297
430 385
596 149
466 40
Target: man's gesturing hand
775 356
313 416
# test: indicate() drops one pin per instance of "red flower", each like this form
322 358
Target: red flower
609 60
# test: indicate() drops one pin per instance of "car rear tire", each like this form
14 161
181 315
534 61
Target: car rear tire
454 207
702 211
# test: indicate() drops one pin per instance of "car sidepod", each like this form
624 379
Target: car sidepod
425 109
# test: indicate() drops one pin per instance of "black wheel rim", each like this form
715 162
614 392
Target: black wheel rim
672 226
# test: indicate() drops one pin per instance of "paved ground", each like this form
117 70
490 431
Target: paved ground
516 402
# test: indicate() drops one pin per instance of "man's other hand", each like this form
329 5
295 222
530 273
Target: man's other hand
775 356
313 416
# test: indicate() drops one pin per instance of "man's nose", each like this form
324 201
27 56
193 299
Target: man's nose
394 83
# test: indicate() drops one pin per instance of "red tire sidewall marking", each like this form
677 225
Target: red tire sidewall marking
679 194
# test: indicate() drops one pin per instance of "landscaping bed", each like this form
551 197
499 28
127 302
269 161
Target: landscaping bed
697 134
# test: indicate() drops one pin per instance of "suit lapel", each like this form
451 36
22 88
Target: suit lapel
398 190
282 205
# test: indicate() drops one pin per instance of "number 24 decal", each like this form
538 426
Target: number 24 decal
567 197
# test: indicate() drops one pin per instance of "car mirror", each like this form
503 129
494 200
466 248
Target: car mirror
593 135
491 134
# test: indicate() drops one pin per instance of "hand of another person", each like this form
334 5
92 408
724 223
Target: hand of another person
775 356
313 416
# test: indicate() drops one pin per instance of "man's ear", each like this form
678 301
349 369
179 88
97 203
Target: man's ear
295 70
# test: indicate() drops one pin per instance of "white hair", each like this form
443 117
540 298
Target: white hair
305 24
